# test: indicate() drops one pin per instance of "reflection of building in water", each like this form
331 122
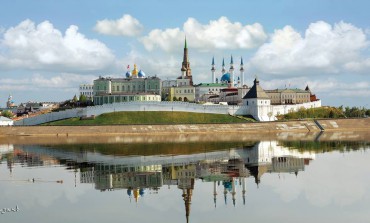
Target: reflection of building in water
136 179
186 176
18 156
227 170
268 156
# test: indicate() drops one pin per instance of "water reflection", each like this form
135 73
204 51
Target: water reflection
226 169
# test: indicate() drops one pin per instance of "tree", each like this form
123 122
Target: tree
82 99
331 114
174 99
7 114
368 112
75 99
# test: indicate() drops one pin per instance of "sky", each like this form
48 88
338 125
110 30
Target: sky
49 47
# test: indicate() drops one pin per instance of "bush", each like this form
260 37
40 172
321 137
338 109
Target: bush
7 114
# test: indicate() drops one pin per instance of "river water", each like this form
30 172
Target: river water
249 181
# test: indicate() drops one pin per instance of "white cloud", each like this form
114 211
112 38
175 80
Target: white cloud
217 34
44 47
125 26
323 48
39 82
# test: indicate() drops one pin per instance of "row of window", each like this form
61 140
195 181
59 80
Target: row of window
262 102
289 96
186 91
86 88
112 99
87 93
141 87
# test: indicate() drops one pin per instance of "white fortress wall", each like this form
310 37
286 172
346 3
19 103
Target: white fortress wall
264 112
157 106
53 116
285 109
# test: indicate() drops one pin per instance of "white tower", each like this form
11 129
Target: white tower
213 70
223 67
183 72
241 72
231 71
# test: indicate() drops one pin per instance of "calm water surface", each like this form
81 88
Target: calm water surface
265 181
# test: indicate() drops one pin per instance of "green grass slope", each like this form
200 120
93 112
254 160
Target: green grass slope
152 117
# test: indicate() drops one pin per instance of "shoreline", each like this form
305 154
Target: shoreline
297 126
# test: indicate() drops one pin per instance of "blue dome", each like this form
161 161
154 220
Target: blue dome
141 192
128 74
141 73
225 77
227 185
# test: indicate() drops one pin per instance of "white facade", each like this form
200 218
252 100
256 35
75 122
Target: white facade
87 90
208 89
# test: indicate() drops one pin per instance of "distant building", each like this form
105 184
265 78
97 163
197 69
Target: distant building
87 90
10 103
203 90
134 87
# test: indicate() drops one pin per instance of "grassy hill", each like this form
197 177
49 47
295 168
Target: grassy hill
152 117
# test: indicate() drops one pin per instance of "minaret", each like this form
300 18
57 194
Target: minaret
243 191
214 192
213 70
186 63
231 71
233 191
223 67
241 72
225 195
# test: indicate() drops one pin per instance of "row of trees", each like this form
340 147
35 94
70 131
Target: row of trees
327 112
355 111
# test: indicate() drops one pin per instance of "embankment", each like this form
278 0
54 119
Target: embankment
303 126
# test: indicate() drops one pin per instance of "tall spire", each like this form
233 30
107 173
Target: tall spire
223 66
231 70
241 72
213 70
186 64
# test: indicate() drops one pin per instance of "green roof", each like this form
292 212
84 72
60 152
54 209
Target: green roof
296 90
211 85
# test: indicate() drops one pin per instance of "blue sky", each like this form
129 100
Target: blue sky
47 48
